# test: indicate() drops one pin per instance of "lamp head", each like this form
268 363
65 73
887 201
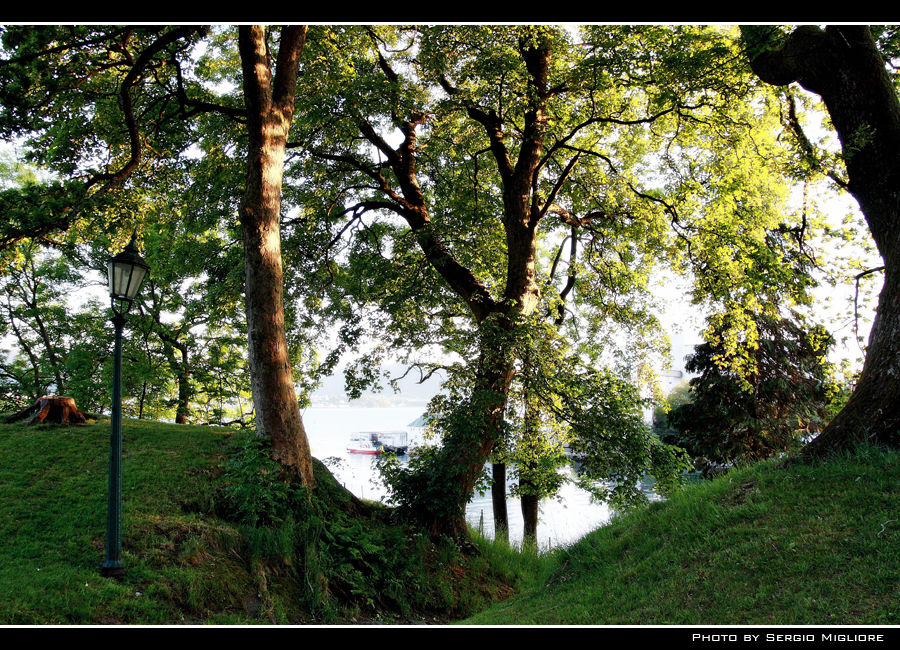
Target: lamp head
126 272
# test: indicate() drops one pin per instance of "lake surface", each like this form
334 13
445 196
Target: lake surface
561 521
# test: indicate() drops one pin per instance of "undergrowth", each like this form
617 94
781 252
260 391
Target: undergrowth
344 558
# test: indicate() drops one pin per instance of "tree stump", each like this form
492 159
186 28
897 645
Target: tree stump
58 410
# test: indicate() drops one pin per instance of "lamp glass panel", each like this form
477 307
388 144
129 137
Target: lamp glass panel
134 281
117 278
125 279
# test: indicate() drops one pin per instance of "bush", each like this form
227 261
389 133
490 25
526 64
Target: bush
764 413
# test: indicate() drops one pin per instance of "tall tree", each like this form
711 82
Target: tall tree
845 67
33 314
462 157
105 106
269 98
184 301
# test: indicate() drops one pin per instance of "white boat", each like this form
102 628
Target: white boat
392 441
362 444
379 442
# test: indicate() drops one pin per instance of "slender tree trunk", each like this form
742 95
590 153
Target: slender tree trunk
529 496
31 301
183 410
270 100
37 387
28 294
498 502
181 371
529 504
51 351
842 65
142 400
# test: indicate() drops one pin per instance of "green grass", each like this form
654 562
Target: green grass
815 544
187 559
53 486
802 544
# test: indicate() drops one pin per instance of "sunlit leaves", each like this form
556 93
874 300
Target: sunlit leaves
656 149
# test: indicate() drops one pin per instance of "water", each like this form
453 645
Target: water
561 521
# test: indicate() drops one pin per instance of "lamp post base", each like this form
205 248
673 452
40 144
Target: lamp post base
112 570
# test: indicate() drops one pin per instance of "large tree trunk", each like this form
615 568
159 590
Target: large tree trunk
842 65
873 411
466 450
464 454
270 101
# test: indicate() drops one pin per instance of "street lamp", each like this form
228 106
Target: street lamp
126 273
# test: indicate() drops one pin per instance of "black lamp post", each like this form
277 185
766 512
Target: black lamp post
126 273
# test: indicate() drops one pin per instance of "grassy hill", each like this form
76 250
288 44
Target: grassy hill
188 559
763 545
803 544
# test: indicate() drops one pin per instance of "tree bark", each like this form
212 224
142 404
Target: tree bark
38 387
48 344
269 100
529 497
183 409
520 219
182 372
844 67
465 449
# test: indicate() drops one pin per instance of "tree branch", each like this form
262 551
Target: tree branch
126 104
807 146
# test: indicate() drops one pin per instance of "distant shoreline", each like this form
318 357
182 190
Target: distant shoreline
365 403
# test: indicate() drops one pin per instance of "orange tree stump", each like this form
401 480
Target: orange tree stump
57 410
